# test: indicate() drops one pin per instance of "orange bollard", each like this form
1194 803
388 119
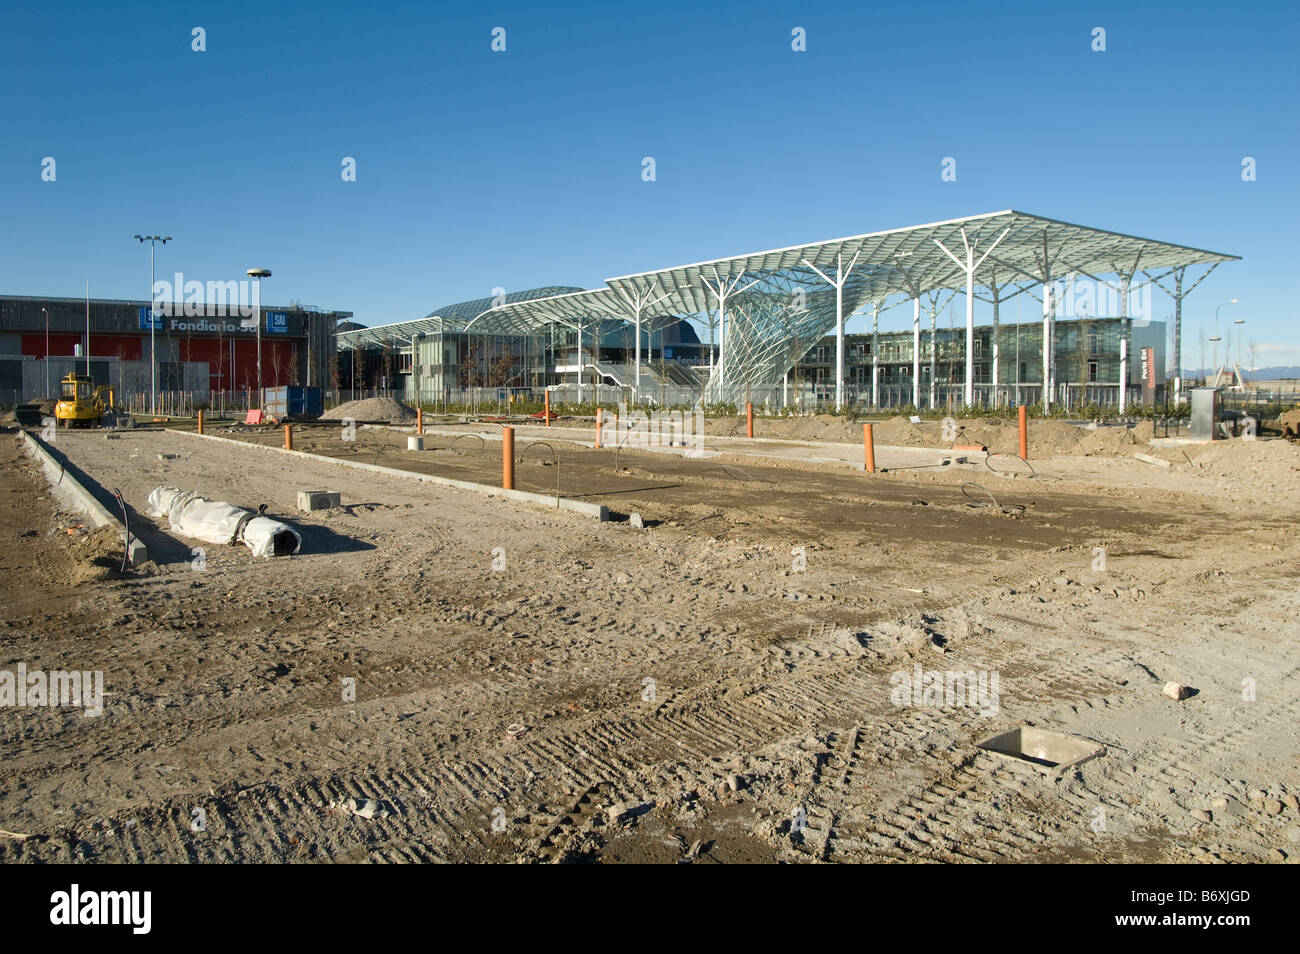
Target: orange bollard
749 419
599 420
419 420
869 448
200 422
1023 414
288 437
508 458
548 408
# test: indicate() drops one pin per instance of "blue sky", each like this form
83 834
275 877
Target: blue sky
478 169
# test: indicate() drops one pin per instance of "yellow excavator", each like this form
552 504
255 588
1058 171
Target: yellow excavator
81 402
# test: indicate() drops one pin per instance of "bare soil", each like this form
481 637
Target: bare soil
533 685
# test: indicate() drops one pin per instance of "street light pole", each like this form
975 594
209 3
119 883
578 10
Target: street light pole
257 274
1230 301
1241 333
47 351
153 240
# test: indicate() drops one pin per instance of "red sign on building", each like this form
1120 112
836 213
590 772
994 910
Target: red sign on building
1148 362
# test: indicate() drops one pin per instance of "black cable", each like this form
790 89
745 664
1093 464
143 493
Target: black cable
126 527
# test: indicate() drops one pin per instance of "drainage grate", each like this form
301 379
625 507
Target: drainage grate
1050 750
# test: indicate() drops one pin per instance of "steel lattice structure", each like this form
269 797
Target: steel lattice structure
772 306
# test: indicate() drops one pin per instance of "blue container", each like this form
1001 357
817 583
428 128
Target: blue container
299 402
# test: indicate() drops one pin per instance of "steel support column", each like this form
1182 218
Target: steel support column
970 266
916 353
875 354
841 276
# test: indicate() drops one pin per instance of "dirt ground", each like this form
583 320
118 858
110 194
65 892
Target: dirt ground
533 685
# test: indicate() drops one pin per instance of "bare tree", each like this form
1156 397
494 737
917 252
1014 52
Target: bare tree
469 368
501 370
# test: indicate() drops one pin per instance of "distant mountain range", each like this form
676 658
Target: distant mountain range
1262 374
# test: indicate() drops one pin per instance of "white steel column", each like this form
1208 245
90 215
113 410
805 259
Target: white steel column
722 289
841 276
1178 295
934 352
916 353
839 345
875 354
1123 366
640 301
995 377
970 266
1047 344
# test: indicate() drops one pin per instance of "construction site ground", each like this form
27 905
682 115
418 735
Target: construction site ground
717 686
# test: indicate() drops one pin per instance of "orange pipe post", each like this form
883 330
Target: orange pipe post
200 422
548 407
599 420
419 420
1023 414
508 458
869 447
288 437
749 419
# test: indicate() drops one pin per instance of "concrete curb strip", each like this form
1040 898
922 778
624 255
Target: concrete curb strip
598 511
71 490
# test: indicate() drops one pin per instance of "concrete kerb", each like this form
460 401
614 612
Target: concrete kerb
598 511
70 490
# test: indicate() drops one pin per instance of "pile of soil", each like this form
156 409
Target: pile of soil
1253 470
1000 436
1112 442
94 555
381 410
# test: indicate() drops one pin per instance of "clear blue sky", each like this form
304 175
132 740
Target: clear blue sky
478 169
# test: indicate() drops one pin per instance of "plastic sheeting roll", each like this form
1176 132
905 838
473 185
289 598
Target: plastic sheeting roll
214 521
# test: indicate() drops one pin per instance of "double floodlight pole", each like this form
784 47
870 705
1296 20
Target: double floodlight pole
153 241
257 274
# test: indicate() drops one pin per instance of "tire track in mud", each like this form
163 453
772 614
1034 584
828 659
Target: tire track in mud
607 755
562 774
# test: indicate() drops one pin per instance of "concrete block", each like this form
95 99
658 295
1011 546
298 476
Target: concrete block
73 494
415 443
1148 459
309 500
598 511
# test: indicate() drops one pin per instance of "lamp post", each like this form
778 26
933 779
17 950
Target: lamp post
1216 339
257 274
153 240
47 352
1230 301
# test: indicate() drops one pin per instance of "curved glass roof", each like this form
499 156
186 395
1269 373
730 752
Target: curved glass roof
780 302
447 318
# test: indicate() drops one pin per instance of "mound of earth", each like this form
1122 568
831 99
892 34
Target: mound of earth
1047 438
381 410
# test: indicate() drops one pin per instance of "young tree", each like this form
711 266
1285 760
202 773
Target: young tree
501 370
470 375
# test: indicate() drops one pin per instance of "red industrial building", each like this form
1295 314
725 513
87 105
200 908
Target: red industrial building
200 355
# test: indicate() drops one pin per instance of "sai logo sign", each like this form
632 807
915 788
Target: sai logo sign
277 322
